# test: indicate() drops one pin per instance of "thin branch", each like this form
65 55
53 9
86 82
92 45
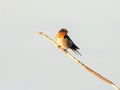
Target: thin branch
80 63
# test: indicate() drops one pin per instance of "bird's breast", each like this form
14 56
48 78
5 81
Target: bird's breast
64 42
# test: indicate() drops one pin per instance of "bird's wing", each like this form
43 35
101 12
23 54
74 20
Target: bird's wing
73 46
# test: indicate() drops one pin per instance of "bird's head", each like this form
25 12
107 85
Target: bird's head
63 30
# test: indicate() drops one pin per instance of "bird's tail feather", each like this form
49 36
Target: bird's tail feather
77 52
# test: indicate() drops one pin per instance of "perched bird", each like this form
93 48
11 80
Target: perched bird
64 41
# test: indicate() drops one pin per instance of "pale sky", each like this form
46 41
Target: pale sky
30 62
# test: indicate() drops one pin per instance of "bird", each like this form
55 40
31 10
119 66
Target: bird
65 41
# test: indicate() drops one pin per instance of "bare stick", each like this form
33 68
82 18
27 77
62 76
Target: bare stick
79 62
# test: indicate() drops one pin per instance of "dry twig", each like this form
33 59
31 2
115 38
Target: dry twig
79 62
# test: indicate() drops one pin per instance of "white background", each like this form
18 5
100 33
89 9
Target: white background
29 62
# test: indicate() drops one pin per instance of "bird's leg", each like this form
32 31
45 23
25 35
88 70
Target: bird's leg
65 49
58 46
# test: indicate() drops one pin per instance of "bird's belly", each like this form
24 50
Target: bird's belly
64 43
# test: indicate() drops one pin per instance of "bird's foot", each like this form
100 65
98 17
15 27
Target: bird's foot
65 50
58 46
